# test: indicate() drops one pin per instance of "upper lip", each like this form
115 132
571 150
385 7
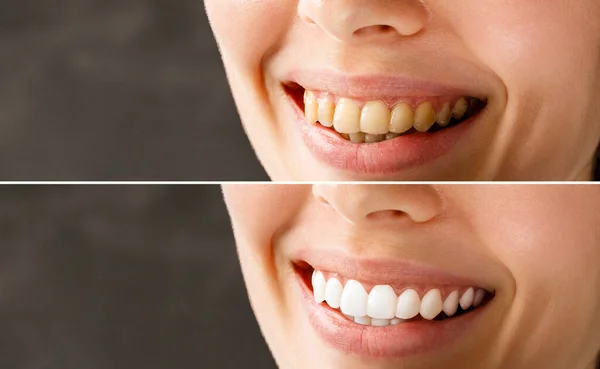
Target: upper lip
381 86
388 271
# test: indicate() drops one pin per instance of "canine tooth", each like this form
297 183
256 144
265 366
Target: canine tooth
460 108
333 292
431 304
402 118
444 115
357 137
380 322
354 299
451 303
319 287
395 321
408 305
311 108
326 111
424 117
381 303
467 299
391 135
375 118
364 320
369 138
479 295
346 118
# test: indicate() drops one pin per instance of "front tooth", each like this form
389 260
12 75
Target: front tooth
364 320
333 292
375 118
381 303
444 115
369 138
357 137
311 108
354 299
424 117
451 303
319 287
326 111
380 322
347 117
460 108
402 119
408 305
467 299
479 294
431 304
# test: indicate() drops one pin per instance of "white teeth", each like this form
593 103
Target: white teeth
354 299
402 119
333 292
380 322
444 115
451 303
424 117
319 287
382 307
395 321
478 299
467 299
364 320
408 305
381 303
326 111
431 304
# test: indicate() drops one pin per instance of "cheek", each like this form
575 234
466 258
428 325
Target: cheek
258 212
246 29
515 38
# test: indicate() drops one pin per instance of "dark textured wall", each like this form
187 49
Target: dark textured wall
122 278
116 89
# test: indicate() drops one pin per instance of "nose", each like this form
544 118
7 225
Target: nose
349 20
367 204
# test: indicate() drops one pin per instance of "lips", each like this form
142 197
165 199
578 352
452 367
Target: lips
383 153
404 337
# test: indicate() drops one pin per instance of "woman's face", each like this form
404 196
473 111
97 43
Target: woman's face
387 259
460 90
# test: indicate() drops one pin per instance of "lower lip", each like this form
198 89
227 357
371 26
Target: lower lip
382 158
398 341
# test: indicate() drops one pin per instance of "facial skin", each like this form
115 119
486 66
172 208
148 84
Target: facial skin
537 63
538 247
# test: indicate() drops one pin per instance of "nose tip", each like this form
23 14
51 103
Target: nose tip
353 20
381 204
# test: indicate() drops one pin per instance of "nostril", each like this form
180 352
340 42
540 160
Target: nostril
382 214
371 30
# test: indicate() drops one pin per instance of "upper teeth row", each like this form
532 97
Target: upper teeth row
376 118
382 303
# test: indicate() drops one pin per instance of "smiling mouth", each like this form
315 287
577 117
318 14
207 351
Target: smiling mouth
384 305
372 121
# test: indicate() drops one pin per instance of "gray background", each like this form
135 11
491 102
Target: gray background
116 89
122 278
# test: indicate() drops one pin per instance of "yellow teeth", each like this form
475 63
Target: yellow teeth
311 108
424 117
402 118
347 117
375 118
326 112
375 122
444 115
460 108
